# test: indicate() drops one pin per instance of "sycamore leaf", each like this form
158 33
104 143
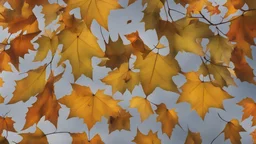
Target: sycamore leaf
202 95
150 138
213 10
29 86
167 117
4 62
220 73
152 14
249 109
152 74
233 6
195 6
193 138
37 137
6 123
242 69
81 138
189 32
242 31
46 105
79 46
3 140
122 121
117 53
19 47
220 49
94 9
253 134
143 106
91 107
51 12
251 4
122 79
45 44
232 130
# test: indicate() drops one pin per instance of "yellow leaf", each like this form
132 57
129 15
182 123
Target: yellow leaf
167 117
150 138
152 74
122 79
249 109
232 130
122 121
37 137
202 95
94 9
4 62
91 107
213 10
29 86
3 140
6 123
253 134
193 138
79 46
81 138
51 12
143 106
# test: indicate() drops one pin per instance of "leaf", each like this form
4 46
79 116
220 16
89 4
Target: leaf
242 31
220 73
152 75
94 9
189 31
122 79
150 138
46 105
91 107
3 140
202 95
121 122
213 10
232 130
195 6
242 69
4 62
6 123
249 109
46 43
143 106
19 47
117 54
82 138
37 137
152 14
131 2
167 117
233 6
79 46
51 12
29 86
253 134
193 138
220 49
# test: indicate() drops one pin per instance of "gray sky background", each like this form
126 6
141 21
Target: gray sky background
209 128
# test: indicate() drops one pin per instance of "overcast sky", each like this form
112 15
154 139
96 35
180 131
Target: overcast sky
209 128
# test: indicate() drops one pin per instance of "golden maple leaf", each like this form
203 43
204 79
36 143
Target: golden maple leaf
150 138
6 123
249 109
81 138
37 137
232 130
193 138
122 121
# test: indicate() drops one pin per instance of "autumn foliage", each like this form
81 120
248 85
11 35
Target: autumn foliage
223 60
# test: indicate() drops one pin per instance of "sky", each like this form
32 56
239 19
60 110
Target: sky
209 128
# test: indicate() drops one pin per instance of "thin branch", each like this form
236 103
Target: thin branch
216 137
177 11
102 35
63 132
222 118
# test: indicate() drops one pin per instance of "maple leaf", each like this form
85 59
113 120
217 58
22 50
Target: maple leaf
79 46
37 137
19 47
152 14
46 105
232 130
116 54
4 62
242 31
220 49
251 4
233 6
46 43
32 3
193 138
143 106
213 10
3 140
167 117
220 72
253 134
195 6
151 74
122 79
94 9
150 138
189 30
202 95
6 123
82 138
249 109
122 121
131 2
242 69
51 12
91 107
29 86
